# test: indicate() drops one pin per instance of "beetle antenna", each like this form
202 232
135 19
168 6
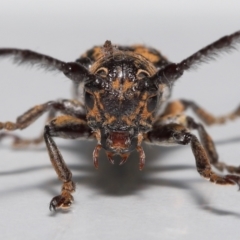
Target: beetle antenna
73 70
173 71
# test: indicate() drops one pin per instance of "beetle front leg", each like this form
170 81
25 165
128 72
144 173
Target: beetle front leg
174 114
204 167
178 134
209 147
69 107
64 127
64 174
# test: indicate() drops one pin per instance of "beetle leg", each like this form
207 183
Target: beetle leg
176 108
174 114
208 118
69 107
64 127
209 147
19 142
206 140
178 134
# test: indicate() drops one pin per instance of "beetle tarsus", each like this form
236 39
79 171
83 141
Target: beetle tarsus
235 179
63 201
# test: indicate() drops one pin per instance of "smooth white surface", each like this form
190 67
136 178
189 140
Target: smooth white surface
168 200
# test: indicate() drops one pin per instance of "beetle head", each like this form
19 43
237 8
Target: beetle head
121 100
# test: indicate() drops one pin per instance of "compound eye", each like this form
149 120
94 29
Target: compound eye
102 72
141 74
89 100
152 103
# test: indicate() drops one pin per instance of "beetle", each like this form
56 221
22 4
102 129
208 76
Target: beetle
126 101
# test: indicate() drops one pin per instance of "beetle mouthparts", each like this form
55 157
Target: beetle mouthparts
119 140
124 157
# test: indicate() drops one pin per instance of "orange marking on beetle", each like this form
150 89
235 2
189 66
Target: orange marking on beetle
145 113
174 108
138 61
128 84
143 51
67 119
109 119
94 112
97 53
208 118
116 84
128 120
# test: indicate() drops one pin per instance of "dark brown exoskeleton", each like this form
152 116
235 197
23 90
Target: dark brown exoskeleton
125 91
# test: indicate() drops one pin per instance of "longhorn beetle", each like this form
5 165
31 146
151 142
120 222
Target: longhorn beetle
125 88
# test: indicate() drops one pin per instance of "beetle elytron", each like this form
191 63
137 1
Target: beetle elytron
125 91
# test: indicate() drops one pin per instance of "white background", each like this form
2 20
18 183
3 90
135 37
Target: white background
168 200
